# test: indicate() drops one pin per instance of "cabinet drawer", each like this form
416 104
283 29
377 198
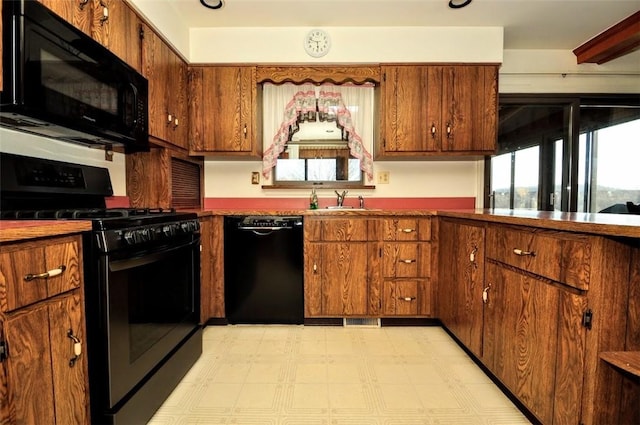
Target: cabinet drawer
561 257
400 298
407 229
405 259
30 273
344 230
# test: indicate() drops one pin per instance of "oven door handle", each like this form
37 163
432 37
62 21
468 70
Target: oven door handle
148 258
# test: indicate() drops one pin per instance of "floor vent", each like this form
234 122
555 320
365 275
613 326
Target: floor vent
361 322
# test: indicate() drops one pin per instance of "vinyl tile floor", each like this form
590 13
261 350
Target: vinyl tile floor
324 375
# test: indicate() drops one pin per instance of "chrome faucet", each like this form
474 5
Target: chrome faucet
341 197
361 200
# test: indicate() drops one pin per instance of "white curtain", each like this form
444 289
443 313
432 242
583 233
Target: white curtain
358 100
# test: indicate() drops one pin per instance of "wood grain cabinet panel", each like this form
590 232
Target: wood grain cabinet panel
223 109
558 256
212 268
112 23
336 267
461 280
39 383
167 76
437 109
406 266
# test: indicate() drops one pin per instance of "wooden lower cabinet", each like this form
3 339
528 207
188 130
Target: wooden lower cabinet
534 343
537 307
461 280
41 379
211 268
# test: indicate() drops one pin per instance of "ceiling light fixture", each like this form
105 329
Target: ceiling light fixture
457 4
212 4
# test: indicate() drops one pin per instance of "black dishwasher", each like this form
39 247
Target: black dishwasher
263 269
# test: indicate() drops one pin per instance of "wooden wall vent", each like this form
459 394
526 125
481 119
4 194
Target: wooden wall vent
185 184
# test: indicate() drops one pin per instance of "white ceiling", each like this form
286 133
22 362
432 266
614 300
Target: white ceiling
528 24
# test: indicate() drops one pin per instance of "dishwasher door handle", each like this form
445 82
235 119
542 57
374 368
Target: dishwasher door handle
260 231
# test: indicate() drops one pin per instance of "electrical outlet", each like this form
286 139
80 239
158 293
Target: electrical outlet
383 177
255 177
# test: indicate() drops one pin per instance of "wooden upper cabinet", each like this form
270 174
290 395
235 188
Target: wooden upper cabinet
110 22
78 13
120 32
166 73
435 109
222 110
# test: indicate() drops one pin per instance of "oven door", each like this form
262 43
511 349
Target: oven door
152 305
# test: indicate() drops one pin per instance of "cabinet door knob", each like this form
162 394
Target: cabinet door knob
83 3
51 273
485 294
105 13
244 131
433 131
408 230
77 348
449 129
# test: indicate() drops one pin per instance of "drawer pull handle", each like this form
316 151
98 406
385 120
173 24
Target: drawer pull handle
407 298
523 253
51 273
77 348
407 261
408 230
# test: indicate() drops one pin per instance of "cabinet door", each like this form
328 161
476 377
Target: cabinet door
344 279
312 279
156 63
120 33
461 280
212 268
411 104
521 344
469 108
77 12
227 111
69 377
29 375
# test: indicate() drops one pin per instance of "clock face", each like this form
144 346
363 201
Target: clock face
317 43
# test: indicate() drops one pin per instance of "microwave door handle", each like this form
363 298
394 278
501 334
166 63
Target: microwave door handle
134 90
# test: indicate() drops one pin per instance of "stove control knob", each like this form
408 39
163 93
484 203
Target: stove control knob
168 230
144 235
129 237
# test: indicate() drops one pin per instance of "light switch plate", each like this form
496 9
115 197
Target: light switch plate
255 177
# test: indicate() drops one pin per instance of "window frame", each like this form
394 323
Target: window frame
571 136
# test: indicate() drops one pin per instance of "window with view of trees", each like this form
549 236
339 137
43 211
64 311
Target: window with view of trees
566 153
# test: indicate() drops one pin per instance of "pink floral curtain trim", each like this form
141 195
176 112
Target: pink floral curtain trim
301 104
331 102
302 107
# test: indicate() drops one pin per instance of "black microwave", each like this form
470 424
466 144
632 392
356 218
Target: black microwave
59 82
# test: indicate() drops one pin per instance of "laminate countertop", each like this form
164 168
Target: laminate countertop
616 225
18 230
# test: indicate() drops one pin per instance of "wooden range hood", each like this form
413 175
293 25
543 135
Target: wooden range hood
617 41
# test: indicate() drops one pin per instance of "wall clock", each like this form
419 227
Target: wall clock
317 43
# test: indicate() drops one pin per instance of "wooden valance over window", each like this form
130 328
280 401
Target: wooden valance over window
318 74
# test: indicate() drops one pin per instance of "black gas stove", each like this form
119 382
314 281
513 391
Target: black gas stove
39 189
141 282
